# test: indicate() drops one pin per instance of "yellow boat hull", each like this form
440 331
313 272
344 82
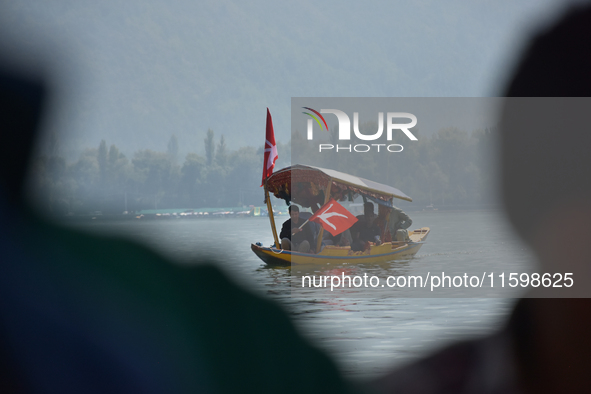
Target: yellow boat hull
385 252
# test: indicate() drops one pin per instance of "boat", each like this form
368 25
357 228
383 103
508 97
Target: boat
306 185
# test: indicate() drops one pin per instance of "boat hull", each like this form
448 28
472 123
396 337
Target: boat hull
385 252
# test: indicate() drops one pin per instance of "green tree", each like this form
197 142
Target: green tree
244 177
222 157
117 178
102 161
154 175
209 148
173 149
85 174
191 179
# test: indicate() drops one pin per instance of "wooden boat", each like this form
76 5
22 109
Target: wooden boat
307 185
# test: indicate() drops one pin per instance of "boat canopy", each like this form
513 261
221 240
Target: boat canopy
306 185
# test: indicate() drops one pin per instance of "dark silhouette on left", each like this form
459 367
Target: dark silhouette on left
83 314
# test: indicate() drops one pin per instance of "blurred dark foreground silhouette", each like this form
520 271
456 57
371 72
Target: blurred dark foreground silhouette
88 314
546 183
83 314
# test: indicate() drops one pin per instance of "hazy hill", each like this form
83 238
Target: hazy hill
135 72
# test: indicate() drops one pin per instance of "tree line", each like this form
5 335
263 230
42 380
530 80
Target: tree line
451 167
104 179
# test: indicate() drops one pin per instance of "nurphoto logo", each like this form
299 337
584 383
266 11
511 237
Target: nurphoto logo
344 130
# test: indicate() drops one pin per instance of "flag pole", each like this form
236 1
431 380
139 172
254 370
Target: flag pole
326 198
271 217
303 223
269 157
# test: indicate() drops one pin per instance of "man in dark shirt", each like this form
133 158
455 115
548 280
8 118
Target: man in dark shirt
292 236
366 229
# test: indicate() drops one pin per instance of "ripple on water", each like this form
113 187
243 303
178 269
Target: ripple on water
367 335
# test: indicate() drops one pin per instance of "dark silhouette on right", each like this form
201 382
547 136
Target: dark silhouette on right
546 186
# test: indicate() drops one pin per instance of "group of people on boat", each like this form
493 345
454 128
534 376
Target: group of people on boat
388 225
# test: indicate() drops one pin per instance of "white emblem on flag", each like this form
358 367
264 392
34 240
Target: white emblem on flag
324 216
272 153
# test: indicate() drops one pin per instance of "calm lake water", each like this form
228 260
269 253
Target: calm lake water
367 333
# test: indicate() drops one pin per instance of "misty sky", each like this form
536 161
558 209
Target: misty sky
135 72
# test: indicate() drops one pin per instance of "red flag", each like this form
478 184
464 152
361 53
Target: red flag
270 150
333 217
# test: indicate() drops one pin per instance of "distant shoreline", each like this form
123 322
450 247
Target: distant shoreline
218 215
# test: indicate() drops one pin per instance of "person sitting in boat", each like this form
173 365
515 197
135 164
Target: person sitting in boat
342 239
366 229
315 227
398 220
292 236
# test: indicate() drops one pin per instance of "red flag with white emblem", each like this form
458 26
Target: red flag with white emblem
334 217
270 149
